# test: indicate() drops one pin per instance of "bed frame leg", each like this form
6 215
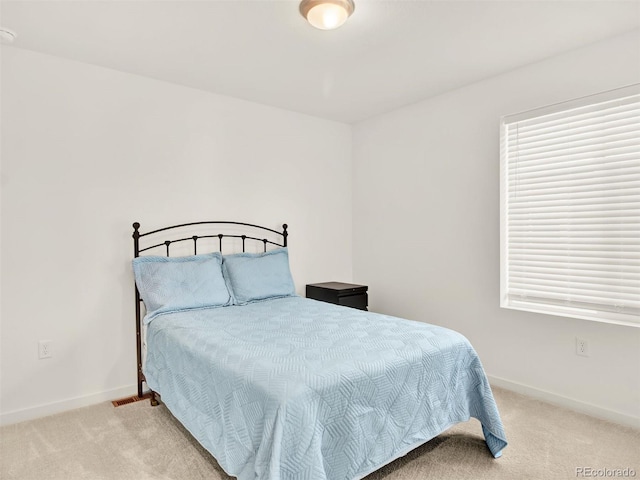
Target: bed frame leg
154 400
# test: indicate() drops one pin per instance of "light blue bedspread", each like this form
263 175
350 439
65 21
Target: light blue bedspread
295 389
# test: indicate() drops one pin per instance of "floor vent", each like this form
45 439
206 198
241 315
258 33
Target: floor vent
132 399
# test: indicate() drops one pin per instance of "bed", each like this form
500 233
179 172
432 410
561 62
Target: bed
280 387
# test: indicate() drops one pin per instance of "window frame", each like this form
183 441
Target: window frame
627 319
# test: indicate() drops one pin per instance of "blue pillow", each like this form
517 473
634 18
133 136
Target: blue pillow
258 276
169 284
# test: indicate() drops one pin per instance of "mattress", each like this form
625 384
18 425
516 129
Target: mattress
293 388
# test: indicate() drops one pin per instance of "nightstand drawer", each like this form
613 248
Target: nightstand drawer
359 301
346 294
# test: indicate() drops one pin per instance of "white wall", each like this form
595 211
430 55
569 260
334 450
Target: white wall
426 230
85 152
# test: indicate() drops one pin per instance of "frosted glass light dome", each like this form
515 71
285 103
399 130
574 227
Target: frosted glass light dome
326 14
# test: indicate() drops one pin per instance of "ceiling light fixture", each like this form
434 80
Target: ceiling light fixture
7 36
326 14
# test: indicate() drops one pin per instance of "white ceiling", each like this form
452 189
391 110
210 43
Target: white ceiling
388 54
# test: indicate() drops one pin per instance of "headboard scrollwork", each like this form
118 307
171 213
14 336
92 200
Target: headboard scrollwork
194 238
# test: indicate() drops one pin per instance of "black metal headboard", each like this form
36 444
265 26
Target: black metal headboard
166 243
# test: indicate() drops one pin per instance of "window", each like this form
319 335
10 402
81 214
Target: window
570 208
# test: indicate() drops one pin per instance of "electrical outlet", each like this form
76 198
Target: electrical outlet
45 349
582 347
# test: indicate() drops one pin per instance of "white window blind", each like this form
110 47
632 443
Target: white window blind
570 208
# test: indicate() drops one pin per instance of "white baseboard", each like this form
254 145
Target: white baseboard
562 401
7 418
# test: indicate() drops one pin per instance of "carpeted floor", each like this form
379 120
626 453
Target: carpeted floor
142 442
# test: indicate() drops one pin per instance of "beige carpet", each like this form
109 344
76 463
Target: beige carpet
137 441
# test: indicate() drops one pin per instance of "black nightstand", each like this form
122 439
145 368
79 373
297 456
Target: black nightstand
346 294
